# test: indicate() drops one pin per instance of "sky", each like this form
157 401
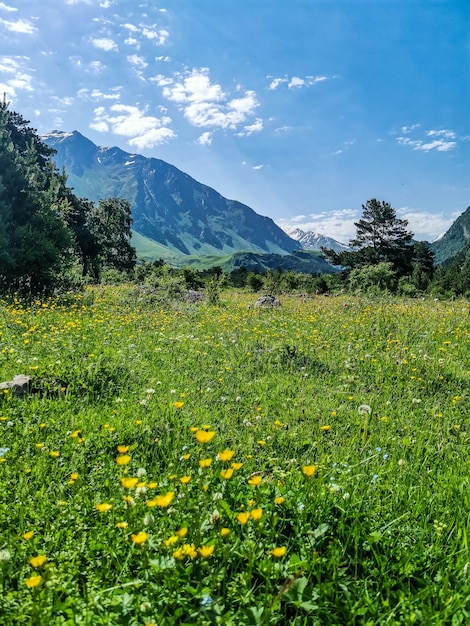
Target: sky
301 109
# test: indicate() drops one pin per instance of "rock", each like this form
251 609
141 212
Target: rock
267 301
194 296
20 384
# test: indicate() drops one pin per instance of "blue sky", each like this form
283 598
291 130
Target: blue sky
302 109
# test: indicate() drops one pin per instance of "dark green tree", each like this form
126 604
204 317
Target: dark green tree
380 237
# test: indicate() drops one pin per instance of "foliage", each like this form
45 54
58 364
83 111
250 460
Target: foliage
228 465
375 278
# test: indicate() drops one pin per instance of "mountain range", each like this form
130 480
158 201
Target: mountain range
314 241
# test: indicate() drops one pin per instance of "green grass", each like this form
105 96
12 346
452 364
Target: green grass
353 413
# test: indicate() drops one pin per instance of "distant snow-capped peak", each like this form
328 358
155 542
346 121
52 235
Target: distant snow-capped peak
314 241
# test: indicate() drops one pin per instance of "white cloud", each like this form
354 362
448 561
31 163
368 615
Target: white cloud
105 44
205 104
21 81
160 36
5 7
447 134
131 41
426 225
78 1
4 88
205 139
137 61
274 84
337 224
145 131
20 26
248 130
258 167
409 129
295 81
96 94
161 58
443 140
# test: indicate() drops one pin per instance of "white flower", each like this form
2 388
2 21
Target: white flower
141 472
5 555
364 409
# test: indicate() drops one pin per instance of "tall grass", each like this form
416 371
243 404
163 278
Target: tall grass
227 465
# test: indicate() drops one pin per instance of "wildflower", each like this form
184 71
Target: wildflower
256 514
279 552
123 449
74 476
226 455
255 480
152 485
129 482
227 474
185 457
54 454
38 561
104 507
206 551
178 405
279 500
309 470
261 442
129 501
122 525
140 538
5 555
325 427
187 549
182 532
185 479
237 466
364 409
28 535
225 532
205 463
171 541
33 581
123 459
243 517
163 501
204 436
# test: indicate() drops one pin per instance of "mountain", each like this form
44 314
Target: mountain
314 241
454 240
168 206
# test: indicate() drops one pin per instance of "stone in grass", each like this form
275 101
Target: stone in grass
267 301
20 384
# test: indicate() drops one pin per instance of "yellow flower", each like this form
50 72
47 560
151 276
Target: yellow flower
123 459
171 540
33 581
37 561
225 532
185 550
257 514
205 463
178 405
206 551
122 525
182 532
104 507
28 535
152 485
279 500
193 429
163 501
309 470
54 454
186 457
185 479
227 474
326 427
243 518
74 476
279 552
255 480
129 482
237 466
226 455
261 442
204 436
123 449
140 538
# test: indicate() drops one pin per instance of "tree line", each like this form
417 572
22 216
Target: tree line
50 238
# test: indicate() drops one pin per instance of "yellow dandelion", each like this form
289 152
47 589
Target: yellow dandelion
28 535
227 474
33 581
171 541
74 476
205 463
104 507
128 482
256 514
185 457
122 525
225 532
54 454
182 532
279 552
38 561
225 455
193 429
121 449
204 436
237 466
255 480
243 517
123 459
163 501
140 538
279 500
152 485
261 442
309 470
178 405
185 479
326 427
206 551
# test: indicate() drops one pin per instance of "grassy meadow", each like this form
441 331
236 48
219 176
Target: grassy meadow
198 464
